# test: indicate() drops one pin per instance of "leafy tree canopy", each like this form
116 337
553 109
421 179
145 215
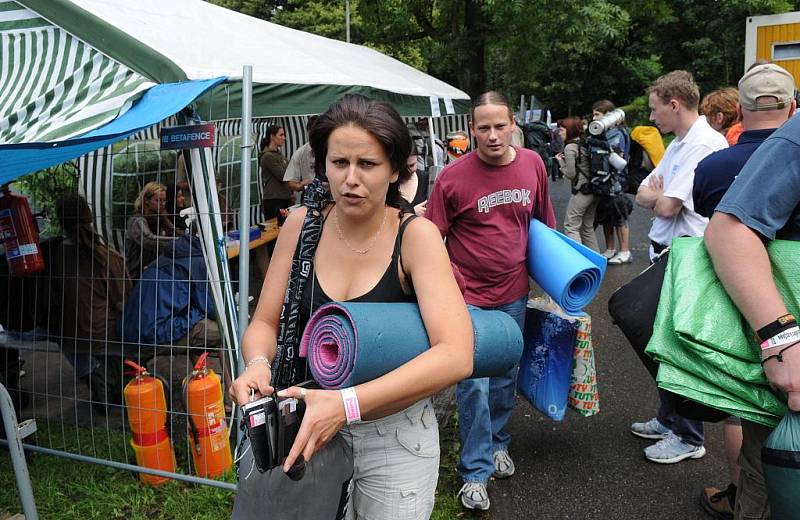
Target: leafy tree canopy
567 53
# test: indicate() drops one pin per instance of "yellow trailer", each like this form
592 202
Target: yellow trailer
775 38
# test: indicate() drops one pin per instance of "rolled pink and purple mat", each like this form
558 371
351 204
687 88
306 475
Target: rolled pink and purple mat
350 343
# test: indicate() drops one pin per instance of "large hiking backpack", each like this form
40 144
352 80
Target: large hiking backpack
537 138
604 179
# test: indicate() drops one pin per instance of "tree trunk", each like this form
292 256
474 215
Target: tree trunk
473 68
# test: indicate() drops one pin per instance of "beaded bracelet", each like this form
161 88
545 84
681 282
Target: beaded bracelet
258 359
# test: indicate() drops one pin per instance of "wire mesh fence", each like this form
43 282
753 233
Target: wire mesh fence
132 273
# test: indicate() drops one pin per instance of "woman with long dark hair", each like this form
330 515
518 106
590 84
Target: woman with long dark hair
275 192
88 285
370 250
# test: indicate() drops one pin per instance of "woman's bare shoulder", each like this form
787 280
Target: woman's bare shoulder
421 229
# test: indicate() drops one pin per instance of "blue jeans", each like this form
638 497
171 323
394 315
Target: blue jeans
484 407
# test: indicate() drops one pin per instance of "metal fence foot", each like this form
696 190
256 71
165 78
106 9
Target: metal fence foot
15 432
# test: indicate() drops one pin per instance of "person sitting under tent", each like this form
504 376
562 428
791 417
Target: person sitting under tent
149 229
170 308
87 285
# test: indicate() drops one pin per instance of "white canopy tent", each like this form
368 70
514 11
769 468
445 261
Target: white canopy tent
69 68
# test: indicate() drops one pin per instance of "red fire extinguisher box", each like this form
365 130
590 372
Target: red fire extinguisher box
19 235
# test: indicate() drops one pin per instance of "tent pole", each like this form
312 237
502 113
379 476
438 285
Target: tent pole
347 20
432 135
244 204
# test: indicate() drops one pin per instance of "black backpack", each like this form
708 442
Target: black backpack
537 138
637 170
604 179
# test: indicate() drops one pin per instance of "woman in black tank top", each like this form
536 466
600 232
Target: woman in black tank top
369 250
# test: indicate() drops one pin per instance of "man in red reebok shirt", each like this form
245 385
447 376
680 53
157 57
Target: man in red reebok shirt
483 204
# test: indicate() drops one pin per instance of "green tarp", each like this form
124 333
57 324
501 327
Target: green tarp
707 351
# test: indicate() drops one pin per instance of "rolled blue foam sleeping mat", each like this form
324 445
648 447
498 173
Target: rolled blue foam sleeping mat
351 343
569 272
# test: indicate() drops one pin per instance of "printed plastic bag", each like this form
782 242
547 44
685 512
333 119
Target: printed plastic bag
546 364
780 458
583 395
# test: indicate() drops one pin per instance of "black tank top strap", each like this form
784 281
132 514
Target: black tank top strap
396 256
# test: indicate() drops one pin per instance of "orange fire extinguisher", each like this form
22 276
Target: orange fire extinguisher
19 235
207 429
147 416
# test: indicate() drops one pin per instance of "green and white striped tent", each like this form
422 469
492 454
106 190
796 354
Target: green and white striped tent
69 67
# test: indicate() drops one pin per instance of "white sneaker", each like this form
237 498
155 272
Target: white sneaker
503 465
474 496
623 257
609 253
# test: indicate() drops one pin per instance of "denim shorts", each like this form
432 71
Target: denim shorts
396 461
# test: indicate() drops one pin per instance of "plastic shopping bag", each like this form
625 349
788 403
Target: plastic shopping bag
780 458
583 395
546 364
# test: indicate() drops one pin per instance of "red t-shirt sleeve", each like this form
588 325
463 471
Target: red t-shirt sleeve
439 209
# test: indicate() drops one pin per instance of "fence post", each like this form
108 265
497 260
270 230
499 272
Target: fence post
14 434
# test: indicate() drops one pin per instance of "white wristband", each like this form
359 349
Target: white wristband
351 408
788 336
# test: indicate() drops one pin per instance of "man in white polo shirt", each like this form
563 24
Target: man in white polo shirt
667 191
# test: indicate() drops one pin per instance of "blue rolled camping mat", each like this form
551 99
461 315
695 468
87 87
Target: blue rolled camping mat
569 272
350 343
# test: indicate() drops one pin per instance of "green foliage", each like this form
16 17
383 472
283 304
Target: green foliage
637 112
568 54
45 186
706 37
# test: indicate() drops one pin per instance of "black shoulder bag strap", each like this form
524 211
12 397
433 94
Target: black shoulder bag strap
316 196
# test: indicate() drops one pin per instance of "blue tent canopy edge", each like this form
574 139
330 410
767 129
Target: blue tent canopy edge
157 104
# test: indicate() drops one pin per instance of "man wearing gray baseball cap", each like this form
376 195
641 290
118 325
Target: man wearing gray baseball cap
766 101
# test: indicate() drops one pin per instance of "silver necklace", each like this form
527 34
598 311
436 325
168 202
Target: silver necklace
349 246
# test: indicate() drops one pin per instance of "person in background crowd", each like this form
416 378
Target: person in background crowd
300 171
149 229
761 114
275 192
518 137
612 212
556 148
370 250
487 236
719 107
667 191
457 145
408 188
176 201
574 163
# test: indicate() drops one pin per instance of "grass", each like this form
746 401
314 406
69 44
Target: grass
70 490
67 489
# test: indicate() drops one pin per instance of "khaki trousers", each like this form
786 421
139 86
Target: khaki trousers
579 221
